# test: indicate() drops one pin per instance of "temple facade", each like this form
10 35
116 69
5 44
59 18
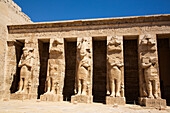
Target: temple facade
111 60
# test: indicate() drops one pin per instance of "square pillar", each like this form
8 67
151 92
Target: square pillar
28 63
55 71
84 69
115 71
149 82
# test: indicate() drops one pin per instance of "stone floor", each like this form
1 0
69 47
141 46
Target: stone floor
33 106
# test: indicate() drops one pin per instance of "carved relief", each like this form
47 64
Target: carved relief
151 76
83 68
26 63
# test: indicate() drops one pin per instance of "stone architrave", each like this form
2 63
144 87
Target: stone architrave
55 75
26 63
149 78
115 79
83 74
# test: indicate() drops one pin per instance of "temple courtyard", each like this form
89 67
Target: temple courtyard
36 106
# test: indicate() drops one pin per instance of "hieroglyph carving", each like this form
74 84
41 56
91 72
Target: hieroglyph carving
83 61
25 63
151 76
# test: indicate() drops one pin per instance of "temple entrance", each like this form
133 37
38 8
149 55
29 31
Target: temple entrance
164 61
131 75
18 49
43 55
99 70
70 69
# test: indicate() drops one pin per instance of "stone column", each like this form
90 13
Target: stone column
115 71
55 71
83 80
150 94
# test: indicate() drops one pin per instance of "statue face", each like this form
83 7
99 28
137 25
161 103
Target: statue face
25 53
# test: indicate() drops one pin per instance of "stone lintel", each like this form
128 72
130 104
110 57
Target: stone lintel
81 99
115 100
51 97
152 102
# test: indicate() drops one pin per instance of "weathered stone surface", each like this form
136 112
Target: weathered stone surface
10 13
152 102
115 100
82 99
15 96
51 97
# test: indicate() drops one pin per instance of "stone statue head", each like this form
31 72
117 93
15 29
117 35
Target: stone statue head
146 60
25 51
56 42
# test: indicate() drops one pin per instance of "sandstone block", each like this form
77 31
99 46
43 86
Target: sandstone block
51 97
82 99
115 100
152 102
23 96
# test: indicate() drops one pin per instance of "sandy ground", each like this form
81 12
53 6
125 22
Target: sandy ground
33 106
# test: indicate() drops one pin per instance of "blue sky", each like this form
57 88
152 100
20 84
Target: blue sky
57 10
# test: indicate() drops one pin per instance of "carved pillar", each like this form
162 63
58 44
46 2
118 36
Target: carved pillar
150 94
28 76
83 84
115 71
55 71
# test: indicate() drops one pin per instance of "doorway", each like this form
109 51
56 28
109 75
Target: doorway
99 70
44 56
70 69
163 43
131 72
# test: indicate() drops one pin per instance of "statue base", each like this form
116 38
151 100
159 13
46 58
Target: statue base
148 102
115 100
22 96
81 99
51 97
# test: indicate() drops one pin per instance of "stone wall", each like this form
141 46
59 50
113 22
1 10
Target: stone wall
10 13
